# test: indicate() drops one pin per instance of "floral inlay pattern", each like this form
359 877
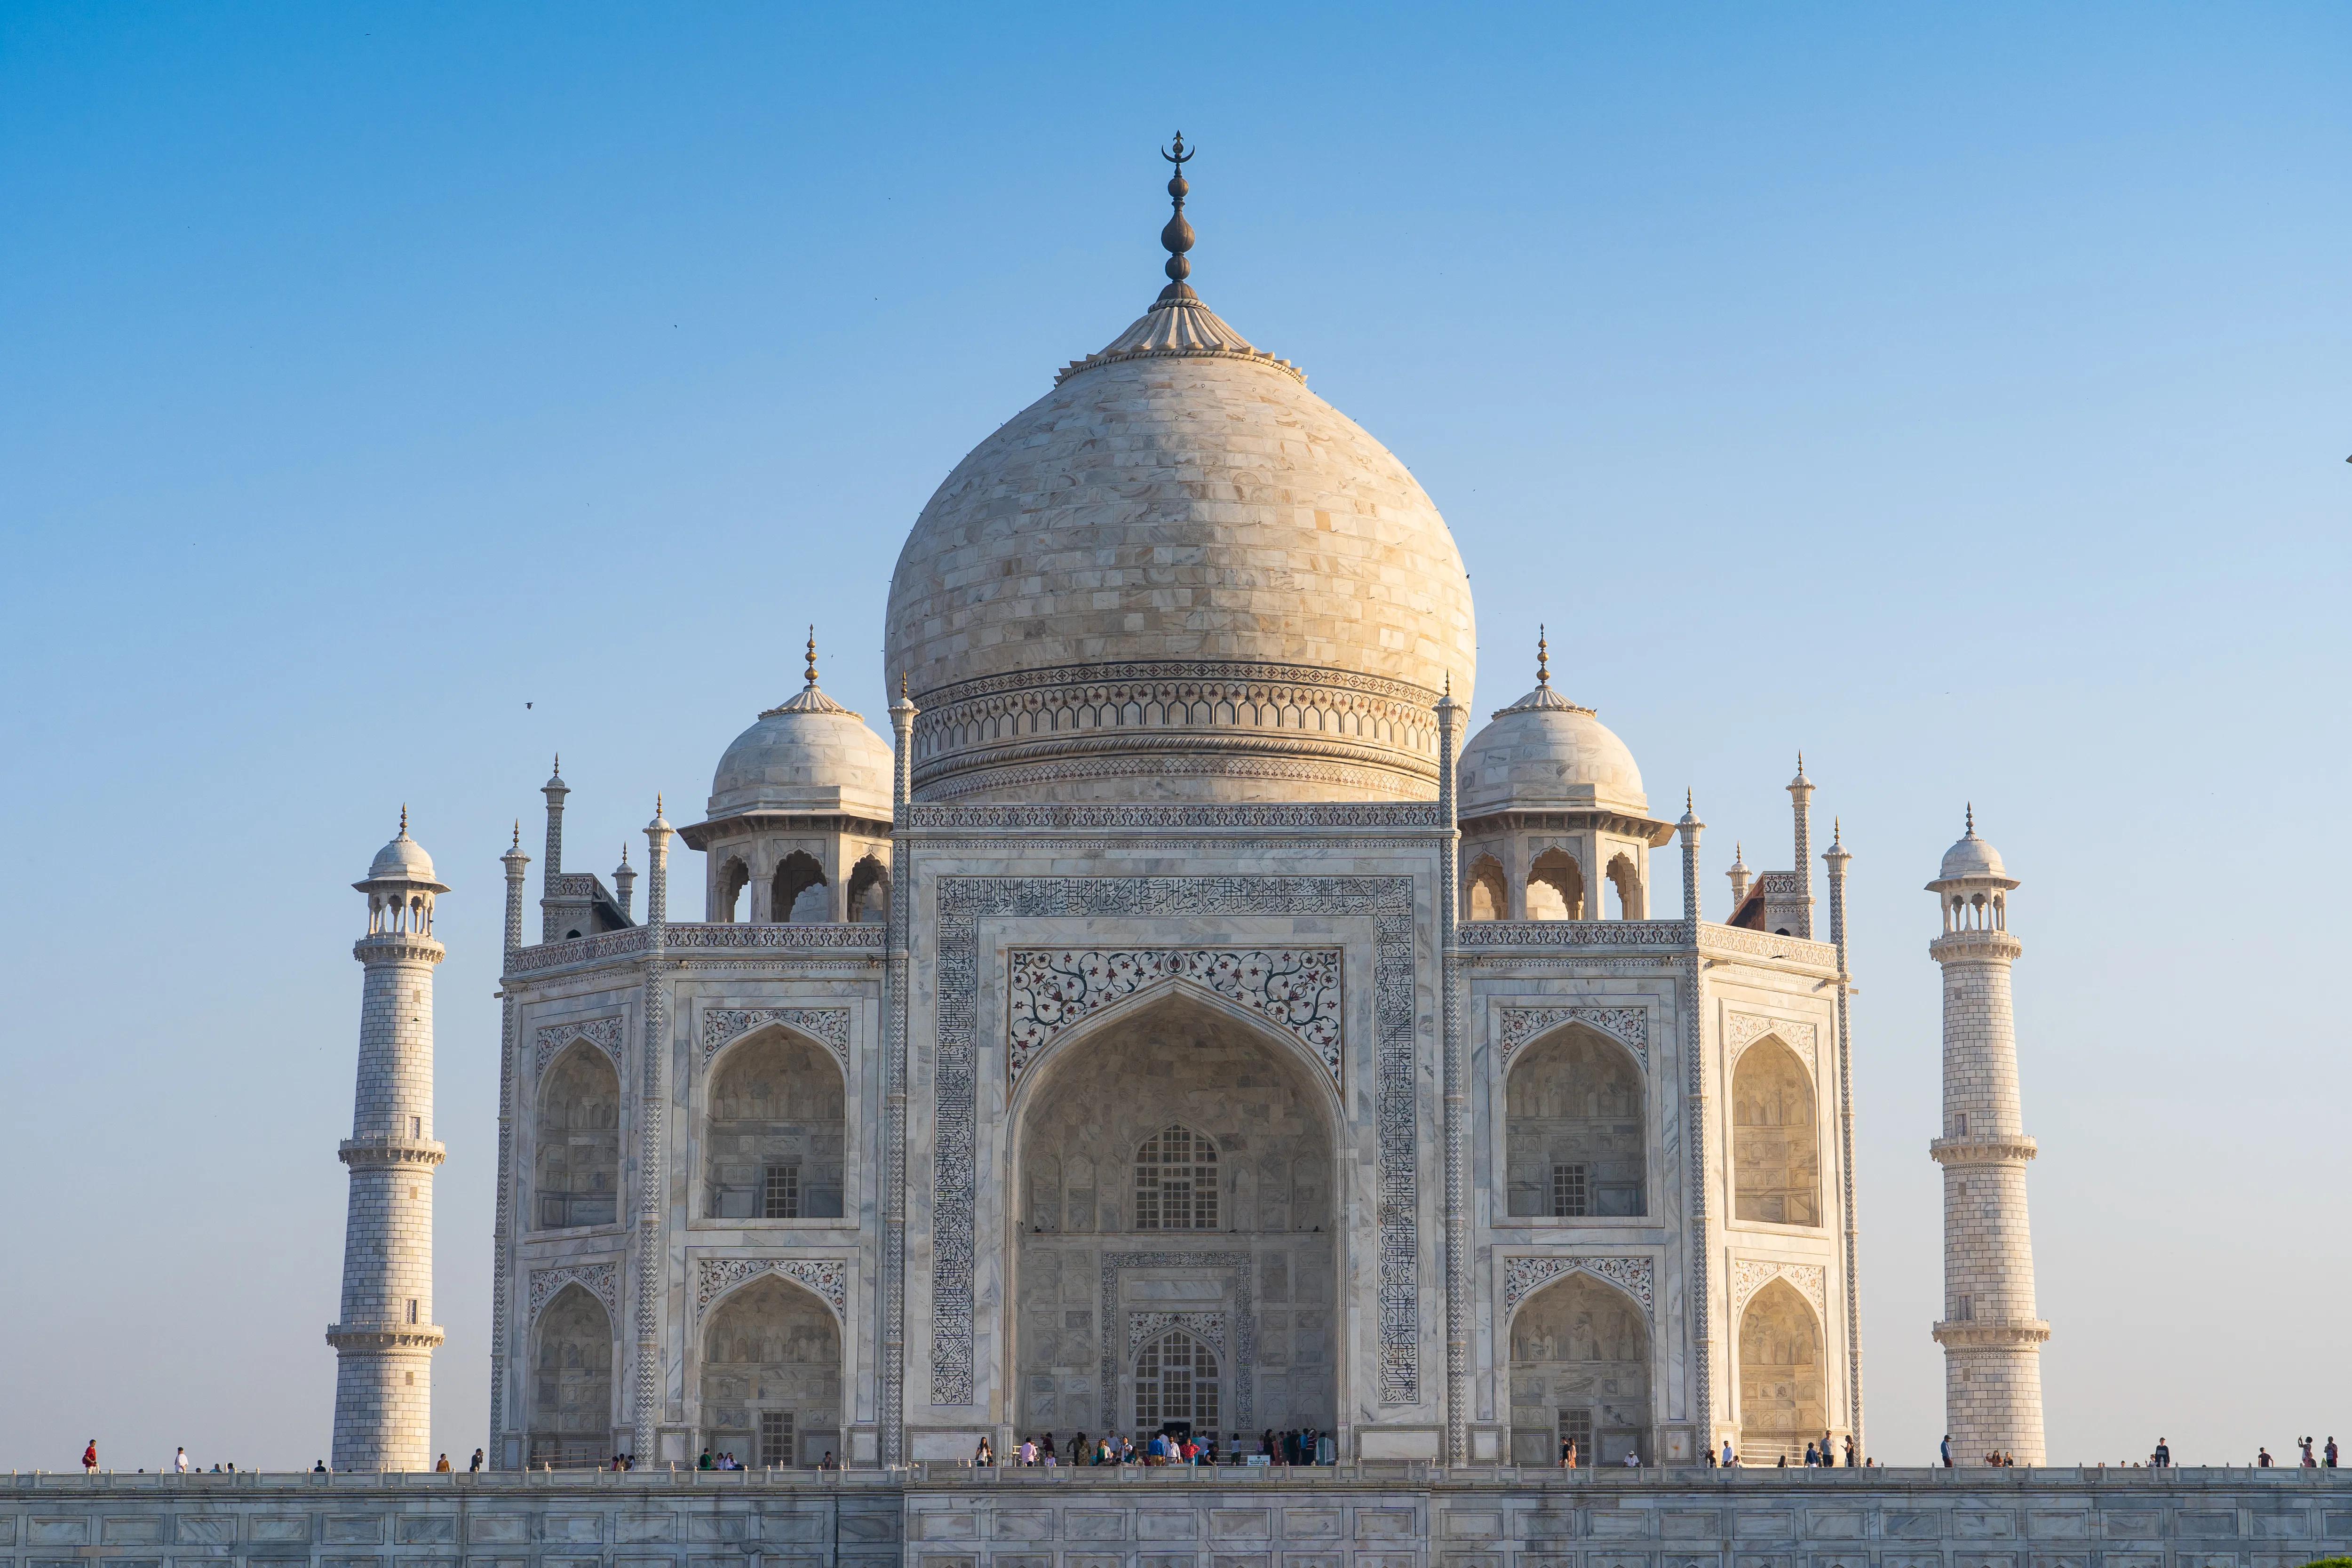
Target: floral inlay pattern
1297 989
1523 1276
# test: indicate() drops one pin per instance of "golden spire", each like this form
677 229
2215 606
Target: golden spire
1543 658
812 654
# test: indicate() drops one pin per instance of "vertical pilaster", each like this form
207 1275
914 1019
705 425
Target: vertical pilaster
1836 858
384 1335
1695 1133
891 1398
1457 1099
653 1123
502 1226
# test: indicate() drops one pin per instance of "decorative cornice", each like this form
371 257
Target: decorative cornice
601 1280
1738 941
358 1151
693 937
603 1033
1524 1276
1295 990
828 1277
1629 1026
731 826
1184 758
1345 816
2024 1335
1488 934
389 1337
1982 1151
827 1026
1482 824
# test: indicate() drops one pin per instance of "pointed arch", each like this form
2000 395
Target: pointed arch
1178 1381
1555 888
1486 896
870 892
1625 881
572 1356
1575 1127
797 895
770 1376
727 905
1776 1155
775 1120
1580 1354
1783 1378
576 1140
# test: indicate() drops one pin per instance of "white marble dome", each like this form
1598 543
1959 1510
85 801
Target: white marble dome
809 755
1545 754
1971 857
402 860
1178 575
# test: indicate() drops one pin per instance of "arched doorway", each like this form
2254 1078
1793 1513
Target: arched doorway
771 1377
1581 1370
1783 1389
1175 1205
572 1382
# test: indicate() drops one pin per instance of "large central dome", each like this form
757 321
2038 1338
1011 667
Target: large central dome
1178 575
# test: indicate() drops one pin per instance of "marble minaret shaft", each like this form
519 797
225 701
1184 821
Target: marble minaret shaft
385 1336
1991 1333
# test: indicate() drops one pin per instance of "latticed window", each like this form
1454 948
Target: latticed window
775 1439
1571 1198
1575 1426
779 1193
1176 1182
1964 1308
1175 1380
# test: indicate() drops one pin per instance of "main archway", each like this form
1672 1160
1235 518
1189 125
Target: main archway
1175 1173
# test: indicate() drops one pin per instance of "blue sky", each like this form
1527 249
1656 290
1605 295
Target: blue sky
1961 394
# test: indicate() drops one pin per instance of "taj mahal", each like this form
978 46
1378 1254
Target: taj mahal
1187 1007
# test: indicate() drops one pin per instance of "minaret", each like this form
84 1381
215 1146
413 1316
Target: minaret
502 1224
1991 1338
386 1337
1800 796
1741 875
625 882
554 789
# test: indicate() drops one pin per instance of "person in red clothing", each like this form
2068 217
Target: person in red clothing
90 1457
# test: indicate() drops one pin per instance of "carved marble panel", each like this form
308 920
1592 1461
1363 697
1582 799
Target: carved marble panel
1749 1275
1629 1026
605 1034
1523 1276
601 1280
1744 1029
829 1025
1296 990
828 1276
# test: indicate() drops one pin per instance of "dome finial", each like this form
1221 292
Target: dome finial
1178 236
1543 658
812 654
403 819
1973 820
518 838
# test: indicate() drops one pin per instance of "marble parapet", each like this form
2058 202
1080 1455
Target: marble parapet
1356 1516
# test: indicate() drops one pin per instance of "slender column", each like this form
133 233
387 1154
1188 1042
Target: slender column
1457 1099
1695 1131
653 1122
625 883
1991 1333
555 789
384 1336
1800 796
502 1227
890 1401
1835 856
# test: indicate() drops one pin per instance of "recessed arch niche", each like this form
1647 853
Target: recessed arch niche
1776 1152
1573 1124
1579 1369
775 1130
1094 1284
576 1137
771 1384
1783 1385
572 1382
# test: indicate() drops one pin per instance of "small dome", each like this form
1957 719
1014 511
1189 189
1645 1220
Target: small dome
1971 857
403 861
810 754
1544 753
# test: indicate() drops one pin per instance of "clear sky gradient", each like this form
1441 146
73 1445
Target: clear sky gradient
1960 393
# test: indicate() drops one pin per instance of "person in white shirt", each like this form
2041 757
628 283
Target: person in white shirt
1029 1451
180 1461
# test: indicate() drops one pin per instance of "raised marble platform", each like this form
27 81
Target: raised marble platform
1369 1516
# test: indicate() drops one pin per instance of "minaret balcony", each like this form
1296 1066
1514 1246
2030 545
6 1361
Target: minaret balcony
2015 1333
1991 1151
384 1336
1959 946
389 1151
